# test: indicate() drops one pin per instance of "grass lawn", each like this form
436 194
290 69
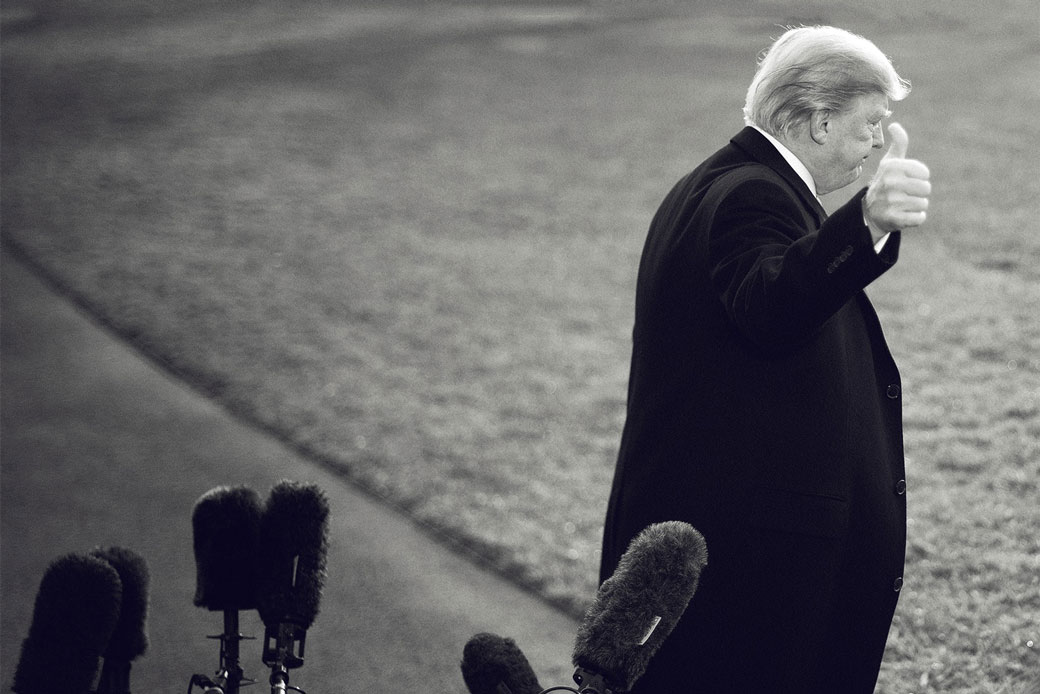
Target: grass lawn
404 236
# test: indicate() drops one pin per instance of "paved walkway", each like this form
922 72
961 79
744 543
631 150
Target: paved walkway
99 447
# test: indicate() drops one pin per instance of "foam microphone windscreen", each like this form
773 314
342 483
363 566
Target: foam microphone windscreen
130 637
638 606
226 527
491 663
294 540
76 610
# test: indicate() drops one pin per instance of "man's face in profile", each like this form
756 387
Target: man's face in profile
851 135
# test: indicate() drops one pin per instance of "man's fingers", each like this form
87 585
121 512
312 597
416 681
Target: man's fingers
897 170
900 142
915 169
914 204
916 186
910 220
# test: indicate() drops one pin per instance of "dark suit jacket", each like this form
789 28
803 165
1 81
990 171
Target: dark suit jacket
764 409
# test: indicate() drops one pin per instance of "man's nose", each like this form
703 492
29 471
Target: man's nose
879 138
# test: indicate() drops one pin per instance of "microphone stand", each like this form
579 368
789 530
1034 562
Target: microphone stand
229 677
283 651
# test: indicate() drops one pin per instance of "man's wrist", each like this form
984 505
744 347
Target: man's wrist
877 235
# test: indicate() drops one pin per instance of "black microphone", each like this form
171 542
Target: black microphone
492 664
76 610
294 541
638 606
226 543
129 638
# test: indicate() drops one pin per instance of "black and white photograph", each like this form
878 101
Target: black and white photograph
517 347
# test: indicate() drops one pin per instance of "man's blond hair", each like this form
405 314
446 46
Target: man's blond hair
817 68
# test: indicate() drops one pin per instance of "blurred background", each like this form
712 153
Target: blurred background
402 237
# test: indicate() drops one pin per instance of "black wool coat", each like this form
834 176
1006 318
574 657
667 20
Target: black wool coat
764 409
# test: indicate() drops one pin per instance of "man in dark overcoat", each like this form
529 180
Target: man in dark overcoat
764 407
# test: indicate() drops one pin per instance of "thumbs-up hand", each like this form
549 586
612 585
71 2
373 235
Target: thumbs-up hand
897 198
900 142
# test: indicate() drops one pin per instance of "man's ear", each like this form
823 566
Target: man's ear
819 126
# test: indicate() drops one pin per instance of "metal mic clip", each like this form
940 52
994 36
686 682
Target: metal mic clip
229 678
284 645
590 682
224 682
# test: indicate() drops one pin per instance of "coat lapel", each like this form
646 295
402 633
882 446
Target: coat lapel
763 151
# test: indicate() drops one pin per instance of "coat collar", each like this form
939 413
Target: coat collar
762 150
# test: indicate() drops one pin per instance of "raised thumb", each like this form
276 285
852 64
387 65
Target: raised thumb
900 140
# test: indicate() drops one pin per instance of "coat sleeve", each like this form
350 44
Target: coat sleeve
780 279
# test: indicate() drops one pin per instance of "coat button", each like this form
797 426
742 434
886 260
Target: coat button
892 391
901 487
897 585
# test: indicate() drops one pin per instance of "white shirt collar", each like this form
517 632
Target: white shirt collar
793 161
803 173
